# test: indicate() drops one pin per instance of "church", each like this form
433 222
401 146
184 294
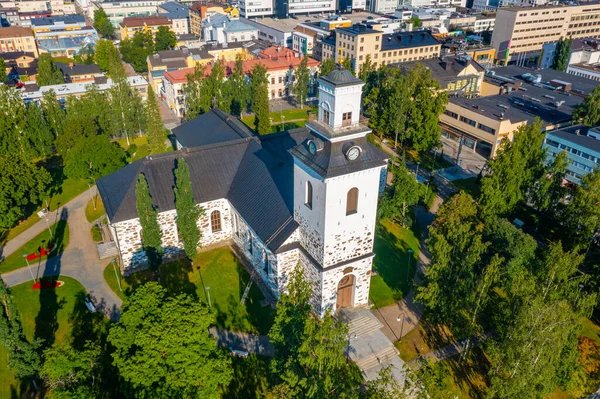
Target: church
304 198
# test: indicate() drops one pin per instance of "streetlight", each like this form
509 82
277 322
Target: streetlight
410 251
29 267
208 295
417 174
92 195
48 224
402 325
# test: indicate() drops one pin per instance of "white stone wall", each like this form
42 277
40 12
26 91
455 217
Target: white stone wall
338 100
362 283
241 36
128 238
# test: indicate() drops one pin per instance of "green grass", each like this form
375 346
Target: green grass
142 150
92 214
218 269
468 185
44 314
427 161
61 238
591 330
64 60
424 338
299 116
392 243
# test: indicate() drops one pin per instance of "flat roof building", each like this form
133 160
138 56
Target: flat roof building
16 38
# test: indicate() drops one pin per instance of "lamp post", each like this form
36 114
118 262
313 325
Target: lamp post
48 224
410 251
208 295
29 267
402 325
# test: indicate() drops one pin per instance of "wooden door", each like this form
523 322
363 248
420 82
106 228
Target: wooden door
344 292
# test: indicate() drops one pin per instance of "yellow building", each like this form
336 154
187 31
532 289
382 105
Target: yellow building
131 25
520 32
16 38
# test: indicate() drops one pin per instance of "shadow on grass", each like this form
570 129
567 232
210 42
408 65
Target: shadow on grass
471 375
250 378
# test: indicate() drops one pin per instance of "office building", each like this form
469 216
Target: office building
582 146
119 10
520 32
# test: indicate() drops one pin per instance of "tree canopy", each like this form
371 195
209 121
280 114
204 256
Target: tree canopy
103 24
136 50
562 53
164 39
260 99
48 73
188 211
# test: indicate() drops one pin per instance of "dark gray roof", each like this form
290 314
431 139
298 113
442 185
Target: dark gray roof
78 69
445 70
173 10
67 19
400 40
331 161
254 173
570 134
341 77
215 126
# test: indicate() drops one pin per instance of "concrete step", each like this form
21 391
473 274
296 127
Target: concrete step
107 250
360 321
378 358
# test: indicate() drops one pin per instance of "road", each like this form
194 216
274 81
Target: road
79 260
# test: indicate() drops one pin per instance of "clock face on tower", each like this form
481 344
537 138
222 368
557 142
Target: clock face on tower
312 147
353 153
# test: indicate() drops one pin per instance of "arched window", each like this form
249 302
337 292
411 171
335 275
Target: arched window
352 201
215 221
308 195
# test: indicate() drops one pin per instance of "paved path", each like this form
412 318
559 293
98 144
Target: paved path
79 260
258 344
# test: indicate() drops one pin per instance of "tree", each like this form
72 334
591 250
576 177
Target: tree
23 356
12 122
164 39
217 88
403 194
85 55
514 171
126 106
53 112
197 93
300 88
93 157
21 184
3 75
188 211
589 111
260 99
70 373
562 54
105 52
327 66
169 337
416 22
48 73
103 24
583 213
395 111
366 69
238 88
156 132
37 132
136 51
347 64
151 237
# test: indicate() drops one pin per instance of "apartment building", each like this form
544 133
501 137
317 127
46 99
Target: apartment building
57 7
256 8
65 23
360 41
63 36
511 97
16 38
520 32
178 14
221 29
131 25
119 10
581 144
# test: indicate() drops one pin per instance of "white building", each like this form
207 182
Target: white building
117 10
302 43
178 14
584 57
315 209
219 28
256 8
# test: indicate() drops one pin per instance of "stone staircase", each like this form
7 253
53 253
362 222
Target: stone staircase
107 250
367 345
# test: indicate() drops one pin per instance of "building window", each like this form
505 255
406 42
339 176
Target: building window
308 196
215 221
266 262
352 201
468 121
325 116
346 119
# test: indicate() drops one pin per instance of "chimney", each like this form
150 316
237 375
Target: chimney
71 64
578 132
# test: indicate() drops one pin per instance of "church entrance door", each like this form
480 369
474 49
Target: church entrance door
344 292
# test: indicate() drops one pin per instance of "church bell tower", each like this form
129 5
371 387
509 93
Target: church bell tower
337 178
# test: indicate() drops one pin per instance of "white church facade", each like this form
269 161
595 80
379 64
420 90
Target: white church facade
301 198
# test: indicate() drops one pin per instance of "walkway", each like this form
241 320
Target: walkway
251 343
79 260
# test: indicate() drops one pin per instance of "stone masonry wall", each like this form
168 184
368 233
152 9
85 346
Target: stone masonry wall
331 278
310 239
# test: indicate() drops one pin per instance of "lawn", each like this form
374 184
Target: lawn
141 147
45 314
96 233
392 243
469 185
423 339
61 237
299 116
428 160
92 214
218 269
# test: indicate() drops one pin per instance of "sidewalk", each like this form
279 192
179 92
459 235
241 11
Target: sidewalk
251 343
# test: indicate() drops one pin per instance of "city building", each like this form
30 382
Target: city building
56 7
256 8
64 23
510 97
520 32
199 11
63 36
131 25
32 92
583 61
482 54
302 43
178 14
277 31
582 146
16 38
77 73
18 59
485 5
281 67
360 41
315 209
9 16
457 75
26 17
119 10
221 29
